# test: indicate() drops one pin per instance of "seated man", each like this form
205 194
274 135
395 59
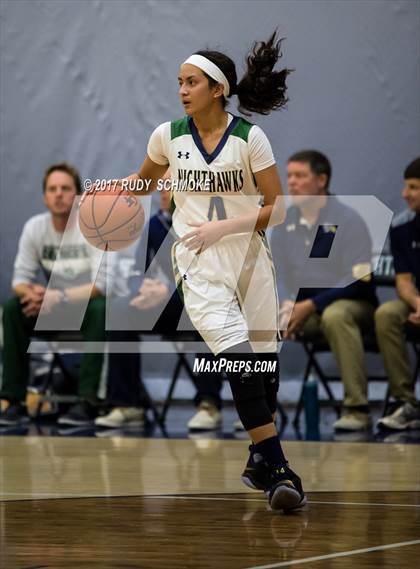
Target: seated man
340 313
393 316
153 304
40 249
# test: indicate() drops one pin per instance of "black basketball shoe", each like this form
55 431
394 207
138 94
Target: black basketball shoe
286 492
282 486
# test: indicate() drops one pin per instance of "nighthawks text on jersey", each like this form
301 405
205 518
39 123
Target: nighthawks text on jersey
206 181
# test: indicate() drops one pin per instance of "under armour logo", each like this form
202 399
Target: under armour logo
133 228
184 276
130 201
181 154
245 376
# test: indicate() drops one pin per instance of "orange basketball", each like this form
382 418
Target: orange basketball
111 220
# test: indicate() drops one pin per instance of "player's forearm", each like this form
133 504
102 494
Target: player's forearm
147 178
267 216
271 215
140 185
408 292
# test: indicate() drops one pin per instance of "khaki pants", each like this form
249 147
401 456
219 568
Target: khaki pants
390 319
343 322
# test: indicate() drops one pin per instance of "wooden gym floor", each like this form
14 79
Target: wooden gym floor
162 503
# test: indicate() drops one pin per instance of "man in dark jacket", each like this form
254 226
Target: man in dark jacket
394 317
343 308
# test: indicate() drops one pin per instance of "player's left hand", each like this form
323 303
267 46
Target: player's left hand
205 235
301 312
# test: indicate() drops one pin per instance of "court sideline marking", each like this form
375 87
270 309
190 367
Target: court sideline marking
262 501
333 555
46 495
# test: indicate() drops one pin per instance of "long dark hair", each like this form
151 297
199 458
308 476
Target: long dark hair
261 90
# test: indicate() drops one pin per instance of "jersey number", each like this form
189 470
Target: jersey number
216 203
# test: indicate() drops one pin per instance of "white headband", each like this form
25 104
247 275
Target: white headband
211 69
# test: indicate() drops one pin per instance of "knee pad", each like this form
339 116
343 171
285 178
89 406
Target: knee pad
248 390
246 386
250 399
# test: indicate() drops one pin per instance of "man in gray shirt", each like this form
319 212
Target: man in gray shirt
73 264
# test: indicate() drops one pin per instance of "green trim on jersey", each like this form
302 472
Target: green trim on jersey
179 128
242 129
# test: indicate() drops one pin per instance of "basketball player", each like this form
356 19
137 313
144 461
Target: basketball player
228 191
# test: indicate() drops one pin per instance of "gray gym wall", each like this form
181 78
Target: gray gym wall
87 81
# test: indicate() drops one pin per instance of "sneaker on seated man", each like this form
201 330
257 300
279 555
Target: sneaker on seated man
208 402
70 266
14 414
395 317
82 413
122 417
352 420
207 417
406 416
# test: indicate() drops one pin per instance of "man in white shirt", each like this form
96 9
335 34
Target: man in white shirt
41 249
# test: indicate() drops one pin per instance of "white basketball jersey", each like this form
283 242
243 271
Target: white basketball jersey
229 289
207 186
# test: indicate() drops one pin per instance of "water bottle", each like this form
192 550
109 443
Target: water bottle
311 405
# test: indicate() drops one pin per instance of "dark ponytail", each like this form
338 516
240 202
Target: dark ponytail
261 90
